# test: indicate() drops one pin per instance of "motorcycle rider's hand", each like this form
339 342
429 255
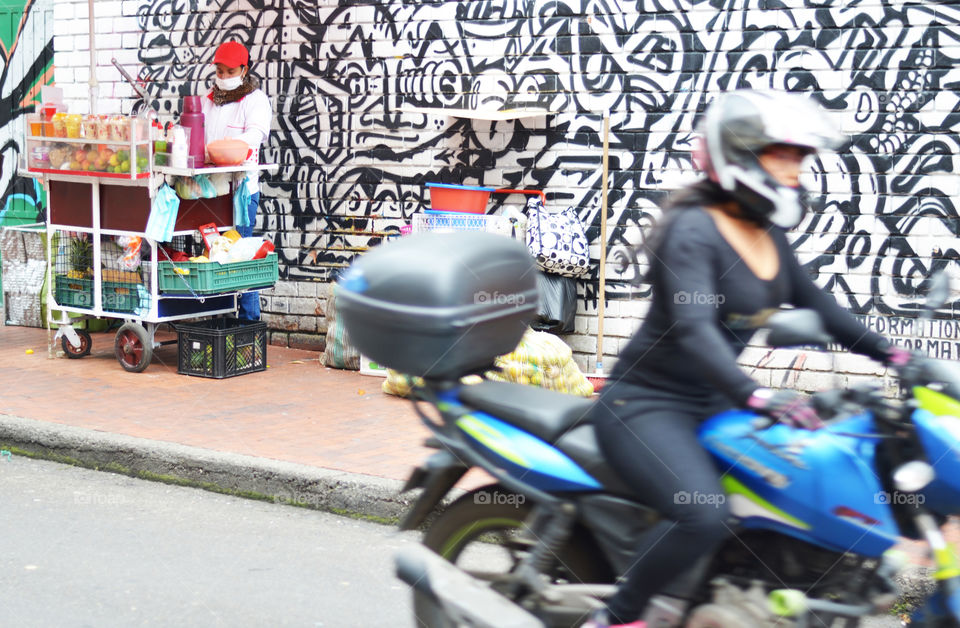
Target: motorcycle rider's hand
902 359
785 406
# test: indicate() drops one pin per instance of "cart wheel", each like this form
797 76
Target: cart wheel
77 352
133 347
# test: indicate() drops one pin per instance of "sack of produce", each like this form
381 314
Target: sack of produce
399 384
338 353
541 359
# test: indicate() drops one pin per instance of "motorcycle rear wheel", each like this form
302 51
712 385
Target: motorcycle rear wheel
493 517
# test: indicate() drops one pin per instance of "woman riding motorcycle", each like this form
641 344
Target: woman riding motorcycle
719 264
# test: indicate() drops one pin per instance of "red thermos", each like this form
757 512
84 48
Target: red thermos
192 118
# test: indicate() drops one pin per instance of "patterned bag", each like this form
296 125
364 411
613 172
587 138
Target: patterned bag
557 240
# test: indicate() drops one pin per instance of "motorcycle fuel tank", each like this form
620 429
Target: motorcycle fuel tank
820 486
938 428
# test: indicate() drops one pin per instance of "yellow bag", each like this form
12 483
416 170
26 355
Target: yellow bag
541 359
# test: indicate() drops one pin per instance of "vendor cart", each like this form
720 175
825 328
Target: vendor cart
100 262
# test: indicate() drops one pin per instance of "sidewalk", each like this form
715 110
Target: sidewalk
298 431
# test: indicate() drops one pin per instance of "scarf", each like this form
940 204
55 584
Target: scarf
221 97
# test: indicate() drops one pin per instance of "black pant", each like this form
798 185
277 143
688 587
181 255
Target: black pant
652 443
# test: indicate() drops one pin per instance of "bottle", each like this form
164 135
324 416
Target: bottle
192 118
159 144
178 154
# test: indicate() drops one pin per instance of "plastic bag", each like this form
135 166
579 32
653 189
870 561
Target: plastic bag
205 187
130 260
241 200
220 249
244 249
220 182
187 188
557 303
398 384
163 214
542 360
557 240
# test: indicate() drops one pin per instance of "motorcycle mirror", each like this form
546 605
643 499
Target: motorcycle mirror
793 328
913 476
939 291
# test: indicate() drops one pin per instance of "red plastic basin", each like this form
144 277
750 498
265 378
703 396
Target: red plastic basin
459 198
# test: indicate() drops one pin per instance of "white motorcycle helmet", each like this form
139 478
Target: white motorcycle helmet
739 125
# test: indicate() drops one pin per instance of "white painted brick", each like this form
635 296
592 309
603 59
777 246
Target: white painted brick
585 344
622 327
63 75
814 381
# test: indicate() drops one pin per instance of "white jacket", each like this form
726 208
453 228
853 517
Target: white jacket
248 119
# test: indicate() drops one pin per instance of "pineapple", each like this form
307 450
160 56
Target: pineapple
81 258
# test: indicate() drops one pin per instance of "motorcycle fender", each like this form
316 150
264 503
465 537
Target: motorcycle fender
436 477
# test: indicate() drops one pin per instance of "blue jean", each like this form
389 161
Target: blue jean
250 301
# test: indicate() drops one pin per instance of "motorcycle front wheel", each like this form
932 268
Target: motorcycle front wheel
486 534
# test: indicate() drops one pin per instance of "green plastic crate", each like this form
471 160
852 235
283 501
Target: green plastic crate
212 277
117 296
120 297
74 292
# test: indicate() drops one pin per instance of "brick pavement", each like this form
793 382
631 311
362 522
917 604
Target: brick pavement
295 411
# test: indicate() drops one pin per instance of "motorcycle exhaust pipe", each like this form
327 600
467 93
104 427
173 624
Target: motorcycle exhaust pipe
460 597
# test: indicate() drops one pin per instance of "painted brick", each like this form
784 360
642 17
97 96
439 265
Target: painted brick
339 151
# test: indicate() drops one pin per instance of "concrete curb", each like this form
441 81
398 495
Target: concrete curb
247 476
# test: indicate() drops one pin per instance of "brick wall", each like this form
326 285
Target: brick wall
354 164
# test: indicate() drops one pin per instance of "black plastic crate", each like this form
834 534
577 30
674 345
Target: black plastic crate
221 347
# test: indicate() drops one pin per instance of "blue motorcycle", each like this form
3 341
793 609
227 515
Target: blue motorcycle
816 513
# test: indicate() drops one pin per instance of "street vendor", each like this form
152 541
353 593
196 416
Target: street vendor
236 108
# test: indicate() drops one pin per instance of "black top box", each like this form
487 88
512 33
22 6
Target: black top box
439 305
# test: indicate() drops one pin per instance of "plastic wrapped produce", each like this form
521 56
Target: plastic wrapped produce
542 360
399 384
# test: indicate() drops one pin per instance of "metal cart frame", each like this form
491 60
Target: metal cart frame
136 339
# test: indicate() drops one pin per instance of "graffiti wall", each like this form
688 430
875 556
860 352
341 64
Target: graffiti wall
26 64
354 162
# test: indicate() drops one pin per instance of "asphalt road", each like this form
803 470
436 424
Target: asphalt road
84 548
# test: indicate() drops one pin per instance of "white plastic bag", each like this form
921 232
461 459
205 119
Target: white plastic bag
245 248
220 249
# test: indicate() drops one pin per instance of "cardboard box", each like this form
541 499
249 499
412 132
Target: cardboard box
369 367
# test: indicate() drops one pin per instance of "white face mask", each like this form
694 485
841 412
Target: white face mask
229 84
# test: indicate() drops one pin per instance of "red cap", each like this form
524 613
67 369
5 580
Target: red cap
232 54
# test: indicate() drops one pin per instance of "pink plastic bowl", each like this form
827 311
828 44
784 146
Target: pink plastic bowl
229 152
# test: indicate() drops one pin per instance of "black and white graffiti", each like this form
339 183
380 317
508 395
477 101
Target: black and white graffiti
354 163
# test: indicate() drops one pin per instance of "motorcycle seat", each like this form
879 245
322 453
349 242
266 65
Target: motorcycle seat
546 414
559 419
